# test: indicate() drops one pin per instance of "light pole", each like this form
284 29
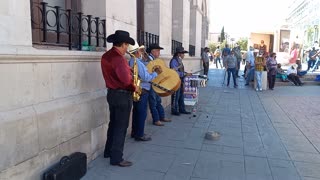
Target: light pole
316 31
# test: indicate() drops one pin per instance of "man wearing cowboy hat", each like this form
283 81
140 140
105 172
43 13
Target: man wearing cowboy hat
118 79
139 112
177 99
155 106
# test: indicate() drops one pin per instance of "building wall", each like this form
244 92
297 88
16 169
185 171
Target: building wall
181 21
87 8
121 15
12 13
186 24
195 28
53 101
165 25
178 20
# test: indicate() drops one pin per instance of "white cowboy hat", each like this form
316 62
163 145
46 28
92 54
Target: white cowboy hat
135 47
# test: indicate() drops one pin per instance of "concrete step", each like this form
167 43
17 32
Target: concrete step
306 83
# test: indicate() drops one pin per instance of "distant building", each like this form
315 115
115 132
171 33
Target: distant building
304 20
214 37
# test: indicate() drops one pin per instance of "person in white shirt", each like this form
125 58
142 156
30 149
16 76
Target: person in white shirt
292 75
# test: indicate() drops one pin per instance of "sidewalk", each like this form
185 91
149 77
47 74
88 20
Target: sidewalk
269 135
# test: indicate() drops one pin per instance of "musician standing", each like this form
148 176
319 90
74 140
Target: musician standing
177 99
156 108
118 79
139 113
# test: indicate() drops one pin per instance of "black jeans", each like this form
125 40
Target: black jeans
271 80
295 79
120 104
177 100
205 68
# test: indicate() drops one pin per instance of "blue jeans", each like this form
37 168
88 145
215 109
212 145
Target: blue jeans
177 100
250 74
233 72
259 79
302 73
139 115
155 106
217 59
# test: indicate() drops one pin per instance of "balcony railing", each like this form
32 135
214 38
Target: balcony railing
145 38
54 26
174 45
192 50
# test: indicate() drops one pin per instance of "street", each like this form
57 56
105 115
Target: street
269 135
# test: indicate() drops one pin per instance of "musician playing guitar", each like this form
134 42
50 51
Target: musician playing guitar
177 99
156 109
312 58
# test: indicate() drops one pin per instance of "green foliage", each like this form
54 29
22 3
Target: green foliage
243 43
222 35
213 46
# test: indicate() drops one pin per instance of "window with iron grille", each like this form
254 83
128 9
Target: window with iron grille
61 23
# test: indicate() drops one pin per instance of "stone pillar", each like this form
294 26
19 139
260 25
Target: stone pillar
181 22
15 23
195 27
205 31
126 20
158 20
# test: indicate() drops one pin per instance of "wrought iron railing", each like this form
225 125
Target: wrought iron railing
52 25
174 45
145 38
192 50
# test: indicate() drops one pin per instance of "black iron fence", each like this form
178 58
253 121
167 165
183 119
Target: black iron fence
174 45
52 25
192 50
145 38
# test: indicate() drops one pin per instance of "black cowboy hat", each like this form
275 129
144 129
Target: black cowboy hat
153 46
120 37
180 50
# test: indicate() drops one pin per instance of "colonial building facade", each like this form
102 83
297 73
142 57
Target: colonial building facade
304 21
52 97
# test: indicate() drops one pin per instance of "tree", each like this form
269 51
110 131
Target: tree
243 43
222 38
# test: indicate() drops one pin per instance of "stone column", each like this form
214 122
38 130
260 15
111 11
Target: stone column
15 23
195 28
158 20
205 31
181 22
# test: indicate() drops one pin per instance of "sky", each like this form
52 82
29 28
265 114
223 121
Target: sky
240 17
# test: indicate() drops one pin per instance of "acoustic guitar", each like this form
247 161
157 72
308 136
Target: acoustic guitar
167 82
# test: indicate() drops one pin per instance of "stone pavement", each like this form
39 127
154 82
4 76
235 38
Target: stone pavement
269 135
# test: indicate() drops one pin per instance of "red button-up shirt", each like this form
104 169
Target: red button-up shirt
116 71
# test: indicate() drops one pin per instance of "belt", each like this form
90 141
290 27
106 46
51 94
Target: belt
143 91
120 91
